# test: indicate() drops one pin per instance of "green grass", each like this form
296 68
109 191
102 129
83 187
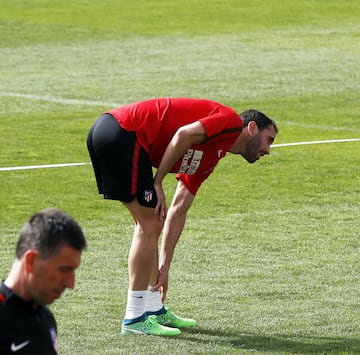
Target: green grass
269 259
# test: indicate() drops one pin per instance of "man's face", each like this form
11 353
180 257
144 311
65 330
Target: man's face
259 144
50 277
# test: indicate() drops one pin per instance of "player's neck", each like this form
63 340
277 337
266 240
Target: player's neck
16 280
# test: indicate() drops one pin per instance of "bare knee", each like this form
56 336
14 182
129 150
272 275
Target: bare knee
149 228
147 223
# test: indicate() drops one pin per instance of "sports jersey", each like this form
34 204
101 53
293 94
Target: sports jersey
156 121
23 329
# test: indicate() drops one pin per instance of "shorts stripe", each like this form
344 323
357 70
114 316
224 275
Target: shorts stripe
135 172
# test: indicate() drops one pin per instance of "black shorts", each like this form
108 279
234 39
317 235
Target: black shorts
122 168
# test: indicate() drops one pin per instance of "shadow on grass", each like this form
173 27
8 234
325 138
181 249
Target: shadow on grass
276 343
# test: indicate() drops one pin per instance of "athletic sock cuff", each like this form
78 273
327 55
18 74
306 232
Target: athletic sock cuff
160 311
135 320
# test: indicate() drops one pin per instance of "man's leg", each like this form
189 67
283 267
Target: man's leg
142 260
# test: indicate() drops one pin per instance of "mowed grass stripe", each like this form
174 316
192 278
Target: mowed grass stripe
64 165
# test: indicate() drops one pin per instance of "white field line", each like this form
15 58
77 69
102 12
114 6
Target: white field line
48 166
86 163
80 102
316 142
59 100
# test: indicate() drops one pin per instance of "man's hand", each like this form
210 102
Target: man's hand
162 284
161 207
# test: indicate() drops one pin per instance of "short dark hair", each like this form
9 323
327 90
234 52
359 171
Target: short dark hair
48 230
261 120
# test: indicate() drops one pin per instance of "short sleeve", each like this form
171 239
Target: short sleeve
192 182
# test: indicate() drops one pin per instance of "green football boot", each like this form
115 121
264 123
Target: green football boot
170 319
149 327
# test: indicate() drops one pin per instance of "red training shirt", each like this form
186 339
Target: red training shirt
156 121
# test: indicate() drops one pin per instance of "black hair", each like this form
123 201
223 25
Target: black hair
48 230
261 120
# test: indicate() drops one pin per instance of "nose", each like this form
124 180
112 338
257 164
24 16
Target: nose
69 281
267 150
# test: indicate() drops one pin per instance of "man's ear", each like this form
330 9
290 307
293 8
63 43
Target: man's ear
30 259
252 128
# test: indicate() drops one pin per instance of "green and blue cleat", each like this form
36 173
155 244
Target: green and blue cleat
150 326
170 319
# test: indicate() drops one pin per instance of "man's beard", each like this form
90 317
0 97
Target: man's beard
253 146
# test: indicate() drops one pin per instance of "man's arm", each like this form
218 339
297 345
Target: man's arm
183 139
173 228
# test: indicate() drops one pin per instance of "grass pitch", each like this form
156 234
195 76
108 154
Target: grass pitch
269 259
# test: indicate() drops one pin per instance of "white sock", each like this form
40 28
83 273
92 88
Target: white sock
153 301
136 304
